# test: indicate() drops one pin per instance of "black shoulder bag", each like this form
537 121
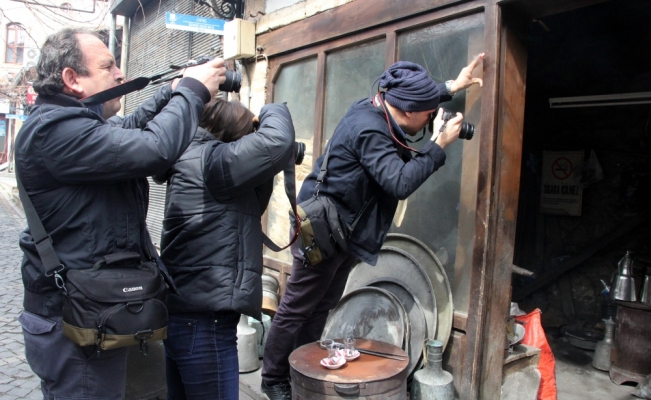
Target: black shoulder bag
118 302
322 231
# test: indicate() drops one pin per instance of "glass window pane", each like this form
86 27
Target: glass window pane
9 57
21 36
349 75
441 213
11 35
296 85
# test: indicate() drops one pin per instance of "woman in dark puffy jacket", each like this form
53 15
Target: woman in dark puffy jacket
212 241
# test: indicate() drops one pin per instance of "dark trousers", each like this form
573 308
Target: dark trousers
201 356
311 292
68 371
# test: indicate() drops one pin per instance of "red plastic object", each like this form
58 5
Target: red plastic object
535 336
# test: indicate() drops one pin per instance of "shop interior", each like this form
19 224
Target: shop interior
585 188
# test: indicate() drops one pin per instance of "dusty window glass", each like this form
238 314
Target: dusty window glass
15 44
441 213
296 85
349 75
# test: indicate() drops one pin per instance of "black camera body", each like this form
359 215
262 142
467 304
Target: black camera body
467 129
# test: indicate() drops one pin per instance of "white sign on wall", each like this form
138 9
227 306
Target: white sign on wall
4 106
561 191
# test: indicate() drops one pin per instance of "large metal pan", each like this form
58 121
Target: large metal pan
436 273
396 265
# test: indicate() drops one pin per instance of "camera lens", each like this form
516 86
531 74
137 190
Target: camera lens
467 131
299 152
233 82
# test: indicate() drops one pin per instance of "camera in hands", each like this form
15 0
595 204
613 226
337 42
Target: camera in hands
467 129
233 82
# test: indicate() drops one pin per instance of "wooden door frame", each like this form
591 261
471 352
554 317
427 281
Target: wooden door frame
466 347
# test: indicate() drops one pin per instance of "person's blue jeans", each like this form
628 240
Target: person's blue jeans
201 356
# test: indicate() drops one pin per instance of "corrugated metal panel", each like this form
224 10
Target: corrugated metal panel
205 43
154 47
156 211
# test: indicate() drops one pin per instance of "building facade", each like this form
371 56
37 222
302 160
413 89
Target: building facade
321 55
23 28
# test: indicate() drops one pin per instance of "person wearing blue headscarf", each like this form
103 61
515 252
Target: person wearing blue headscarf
370 168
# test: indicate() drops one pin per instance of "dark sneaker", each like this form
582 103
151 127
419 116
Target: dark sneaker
281 391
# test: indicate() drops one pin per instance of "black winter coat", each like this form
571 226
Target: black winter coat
87 178
365 161
212 236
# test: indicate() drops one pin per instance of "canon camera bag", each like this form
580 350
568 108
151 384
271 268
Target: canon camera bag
118 302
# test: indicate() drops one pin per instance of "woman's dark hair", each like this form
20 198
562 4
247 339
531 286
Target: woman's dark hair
59 51
227 120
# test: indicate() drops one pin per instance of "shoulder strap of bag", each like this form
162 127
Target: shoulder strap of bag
290 191
321 177
42 240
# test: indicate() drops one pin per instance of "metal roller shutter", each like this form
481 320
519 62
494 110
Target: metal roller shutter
153 49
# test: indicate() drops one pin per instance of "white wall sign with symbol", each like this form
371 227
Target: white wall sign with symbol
561 191
193 23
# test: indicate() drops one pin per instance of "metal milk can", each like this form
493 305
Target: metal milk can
601 358
432 382
247 346
262 331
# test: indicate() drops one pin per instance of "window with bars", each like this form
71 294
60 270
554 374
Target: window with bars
15 44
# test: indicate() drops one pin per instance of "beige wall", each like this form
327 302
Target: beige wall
39 22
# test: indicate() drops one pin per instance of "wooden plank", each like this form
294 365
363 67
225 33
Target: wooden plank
552 274
510 125
469 386
543 8
317 144
342 21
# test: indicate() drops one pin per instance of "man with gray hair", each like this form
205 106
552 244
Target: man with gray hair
85 174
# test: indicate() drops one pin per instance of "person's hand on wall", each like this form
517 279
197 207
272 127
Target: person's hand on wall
465 78
212 74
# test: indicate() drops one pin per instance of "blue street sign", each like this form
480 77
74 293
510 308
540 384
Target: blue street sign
193 23
16 116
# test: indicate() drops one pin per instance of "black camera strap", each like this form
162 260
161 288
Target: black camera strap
378 101
290 190
42 240
139 83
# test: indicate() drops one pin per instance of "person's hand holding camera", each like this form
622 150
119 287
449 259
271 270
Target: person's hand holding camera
446 132
211 74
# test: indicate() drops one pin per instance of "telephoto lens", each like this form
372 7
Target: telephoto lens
233 82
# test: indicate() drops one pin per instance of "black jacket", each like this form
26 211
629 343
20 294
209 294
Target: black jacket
86 177
212 236
365 161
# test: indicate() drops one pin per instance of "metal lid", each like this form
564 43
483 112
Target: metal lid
369 375
398 266
416 318
369 313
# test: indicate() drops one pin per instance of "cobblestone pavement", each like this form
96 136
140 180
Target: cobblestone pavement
17 381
